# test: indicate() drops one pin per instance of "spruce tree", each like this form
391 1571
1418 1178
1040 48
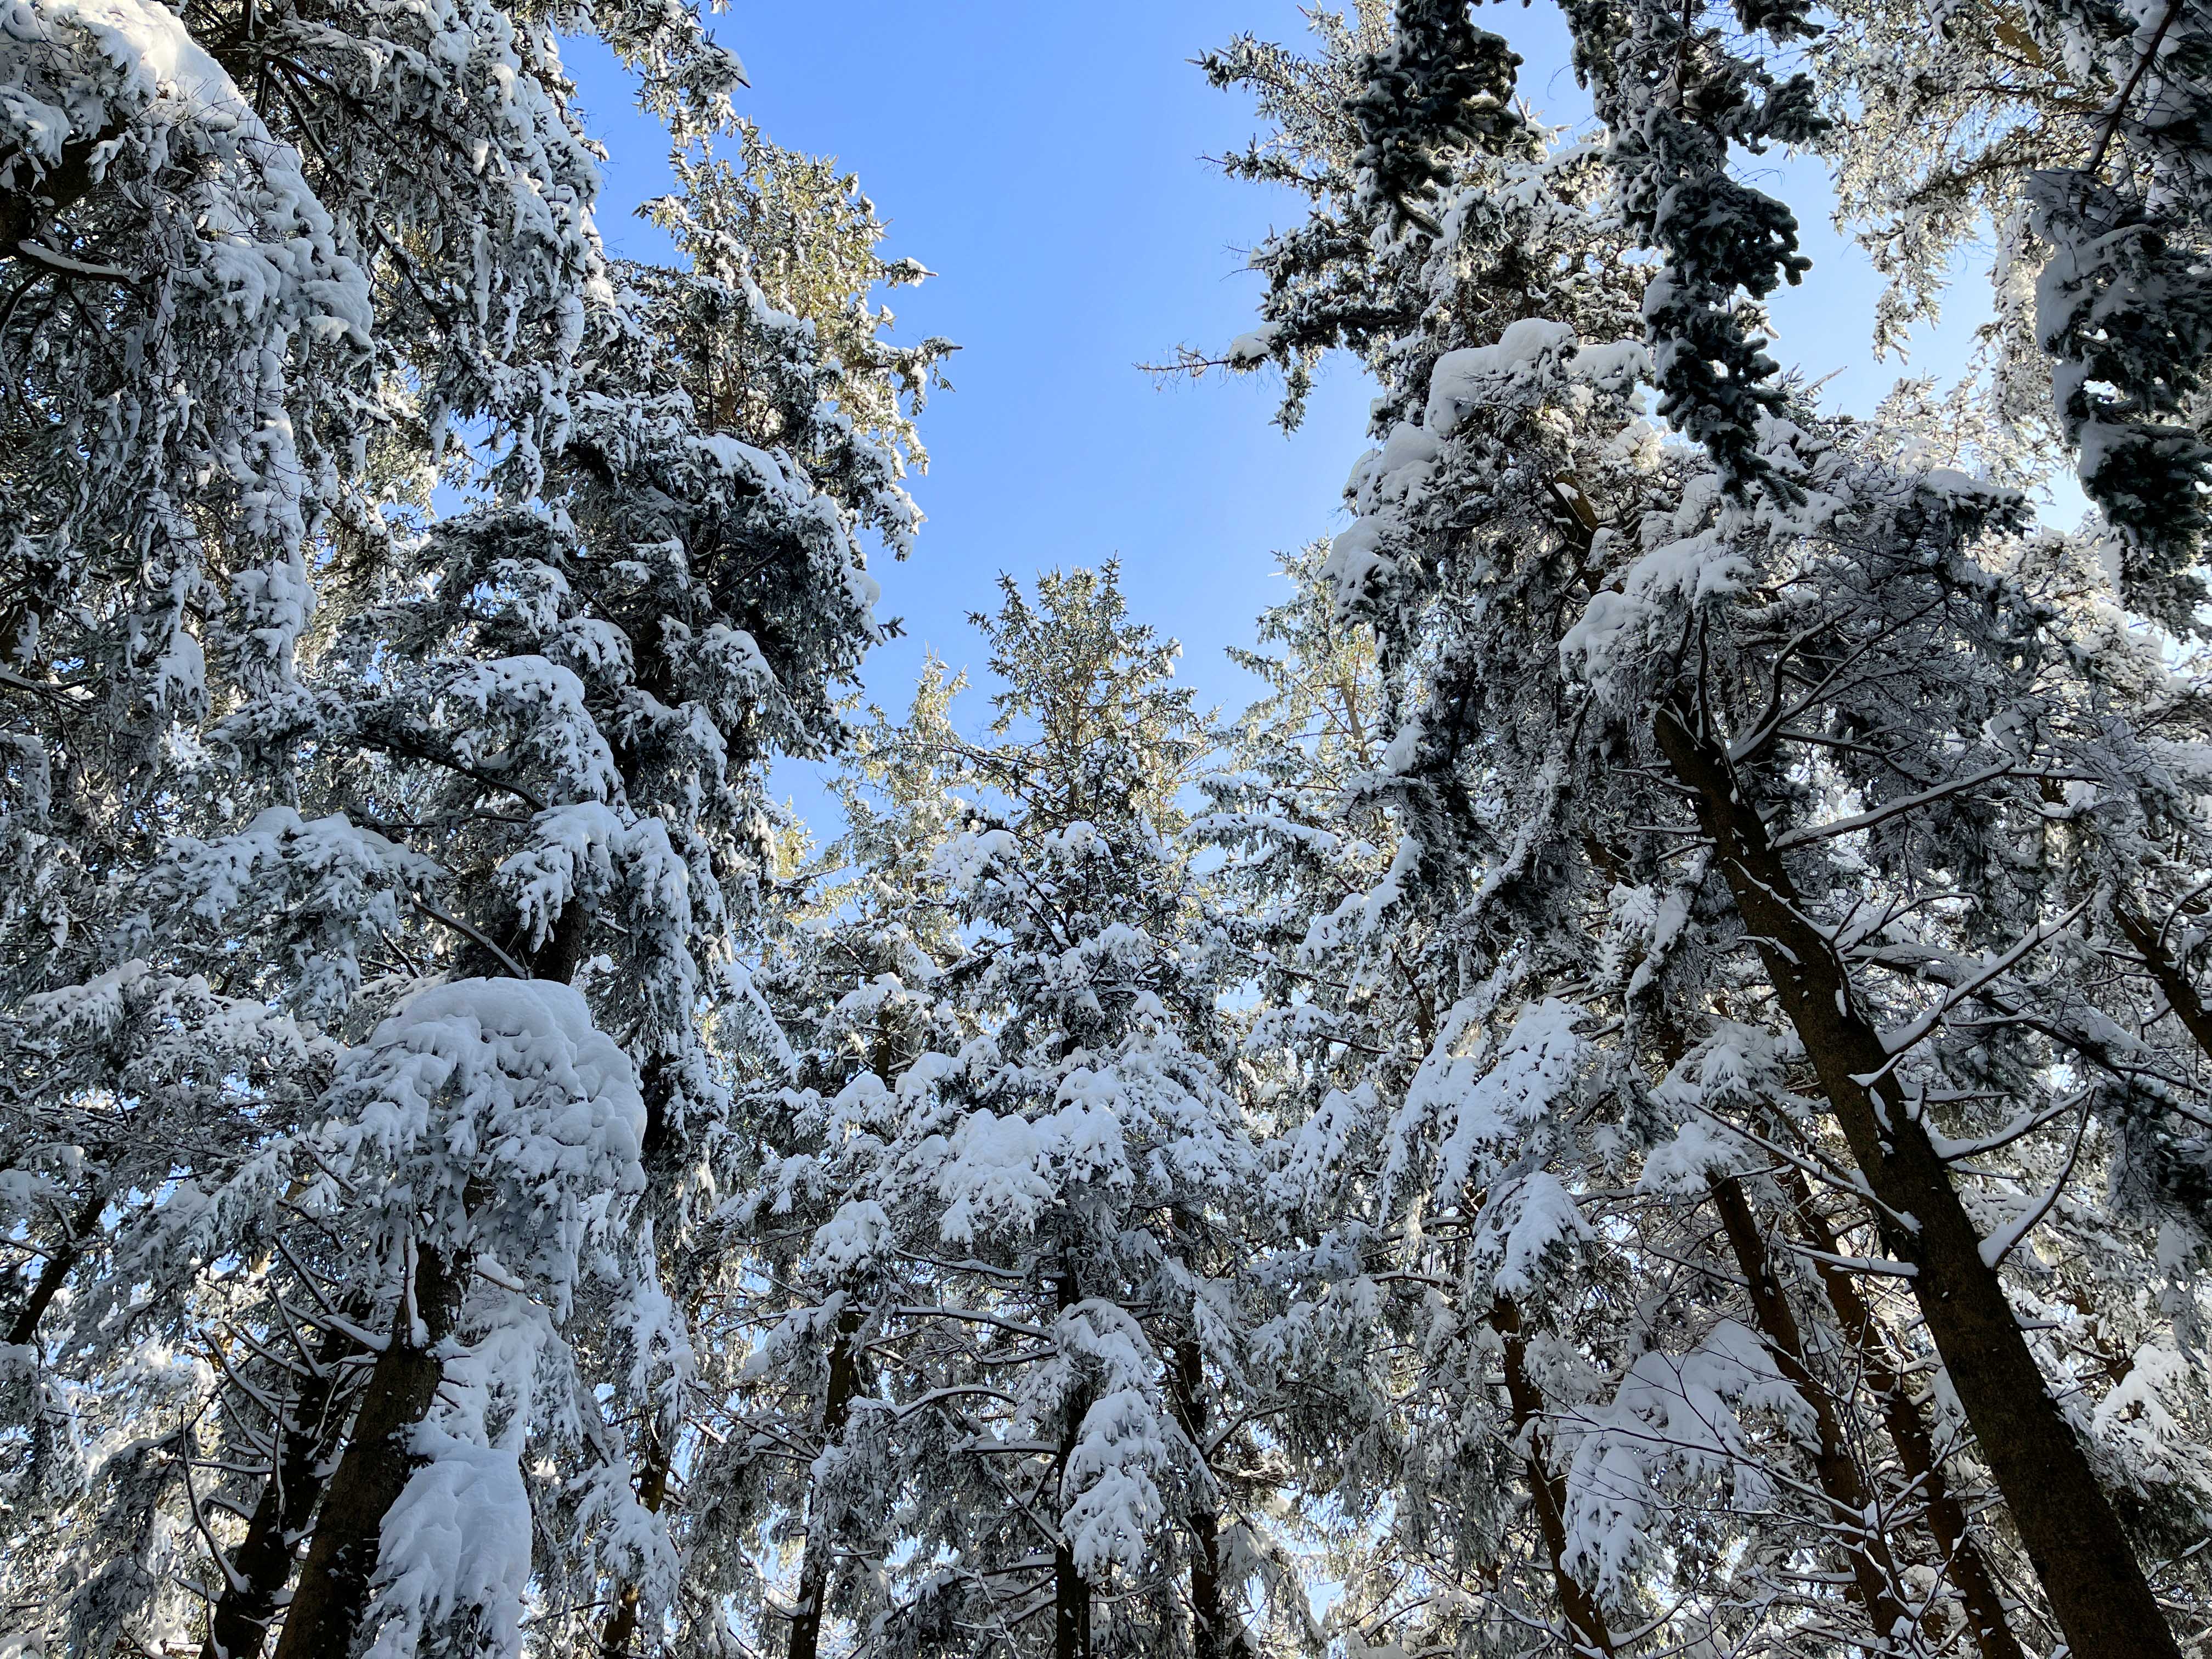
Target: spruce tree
1012 1103
467 885
1622 679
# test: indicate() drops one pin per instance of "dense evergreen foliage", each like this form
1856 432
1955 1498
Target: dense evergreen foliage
1651 1096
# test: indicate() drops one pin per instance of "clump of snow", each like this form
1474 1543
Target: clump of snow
455 1543
1699 1151
1252 347
1122 1452
497 1107
1464 379
1672 1424
996 1172
1483 1100
1526 1227
856 1235
1356 564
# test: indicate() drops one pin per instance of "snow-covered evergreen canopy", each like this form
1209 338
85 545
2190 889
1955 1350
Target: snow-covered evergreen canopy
1651 1096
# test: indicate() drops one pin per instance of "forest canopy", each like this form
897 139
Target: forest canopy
1651 1097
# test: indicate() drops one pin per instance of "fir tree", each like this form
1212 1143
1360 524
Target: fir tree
531 741
1518 489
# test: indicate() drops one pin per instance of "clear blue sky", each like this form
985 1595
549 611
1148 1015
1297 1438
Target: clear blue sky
1045 160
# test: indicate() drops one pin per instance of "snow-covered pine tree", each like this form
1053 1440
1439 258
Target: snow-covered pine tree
1366 981
261 263
1109 1058
814 1370
534 739
724 479
1047 1159
255 259
1518 488
1904 558
2069 136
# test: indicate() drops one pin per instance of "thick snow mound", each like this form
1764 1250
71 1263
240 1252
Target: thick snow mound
501 1118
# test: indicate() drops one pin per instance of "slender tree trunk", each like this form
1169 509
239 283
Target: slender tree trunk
326 1610
844 1387
1873 1571
1210 1635
1071 1596
562 951
621 1628
1873 1567
2095 1585
261 1566
1071 1607
1547 1492
59 1260
1968 1570
2172 981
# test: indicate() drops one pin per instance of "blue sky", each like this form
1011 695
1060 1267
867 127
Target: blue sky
1045 161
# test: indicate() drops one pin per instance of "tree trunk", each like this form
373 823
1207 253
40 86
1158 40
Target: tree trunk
262 1564
562 951
1908 1431
1873 1571
1874 1568
59 1260
2096 1587
2168 974
844 1387
1547 1492
326 1610
1071 1608
1210 1631
621 1628
1071 1596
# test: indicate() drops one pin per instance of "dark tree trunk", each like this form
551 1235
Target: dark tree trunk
1071 1596
621 1628
1873 1572
620 1631
1071 1608
1547 1492
844 1387
261 1566
59 1260
562 951
326 1610
2096 1587
2173 984
1909 1433
1211 1634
